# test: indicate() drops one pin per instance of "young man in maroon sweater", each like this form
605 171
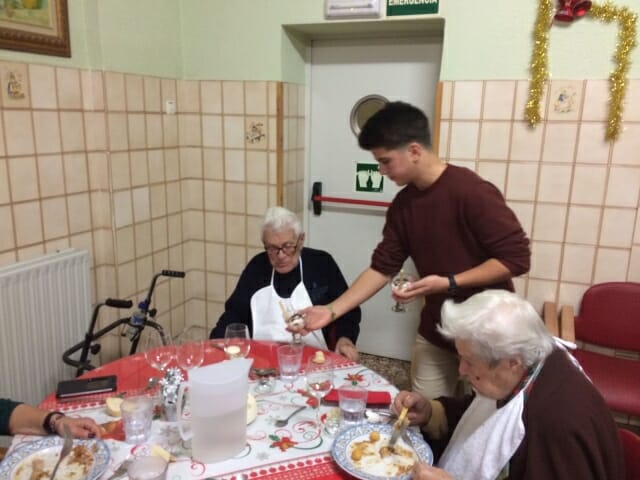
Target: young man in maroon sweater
455 226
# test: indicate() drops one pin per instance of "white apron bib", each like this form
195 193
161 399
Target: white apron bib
486 437
268 323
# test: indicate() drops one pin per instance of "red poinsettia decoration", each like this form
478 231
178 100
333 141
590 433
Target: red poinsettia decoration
311 400
354 378
283 443
569 10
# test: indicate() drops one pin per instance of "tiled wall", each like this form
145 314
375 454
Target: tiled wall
90 160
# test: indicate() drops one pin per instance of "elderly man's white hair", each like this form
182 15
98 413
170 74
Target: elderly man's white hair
278 219
498 324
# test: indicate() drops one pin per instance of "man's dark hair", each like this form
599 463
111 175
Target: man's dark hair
395 125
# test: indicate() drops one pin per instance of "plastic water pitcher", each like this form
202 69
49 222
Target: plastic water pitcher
217 397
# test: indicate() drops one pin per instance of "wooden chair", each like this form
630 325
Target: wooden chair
631 448
609 318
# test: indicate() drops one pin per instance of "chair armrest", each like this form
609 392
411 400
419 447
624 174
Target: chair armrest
550 317
567 324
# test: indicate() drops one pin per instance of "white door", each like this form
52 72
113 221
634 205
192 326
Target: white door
341 73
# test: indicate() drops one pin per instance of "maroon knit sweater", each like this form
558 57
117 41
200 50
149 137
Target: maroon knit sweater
455 224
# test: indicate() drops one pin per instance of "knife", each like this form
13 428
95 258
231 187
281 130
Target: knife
399 427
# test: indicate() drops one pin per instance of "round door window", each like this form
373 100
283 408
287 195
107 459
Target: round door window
364 109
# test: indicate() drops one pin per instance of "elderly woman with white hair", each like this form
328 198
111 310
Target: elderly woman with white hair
533 414
287 270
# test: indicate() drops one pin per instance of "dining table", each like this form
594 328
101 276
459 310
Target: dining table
301 450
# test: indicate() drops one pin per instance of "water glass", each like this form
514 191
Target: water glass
237 341
289 360
148 468
137 413
353 403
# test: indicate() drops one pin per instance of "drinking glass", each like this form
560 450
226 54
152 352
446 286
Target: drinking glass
289 359
399 283
319 381
292 319
237 341
156 352
190 350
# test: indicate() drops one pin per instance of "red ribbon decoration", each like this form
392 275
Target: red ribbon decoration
568 10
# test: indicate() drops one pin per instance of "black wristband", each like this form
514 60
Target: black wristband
46 423
453 286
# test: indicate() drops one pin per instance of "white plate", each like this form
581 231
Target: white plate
17 465
372 468
252 408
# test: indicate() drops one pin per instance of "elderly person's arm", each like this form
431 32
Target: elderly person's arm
28 420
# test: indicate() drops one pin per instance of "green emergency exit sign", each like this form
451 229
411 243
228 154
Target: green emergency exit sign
411 7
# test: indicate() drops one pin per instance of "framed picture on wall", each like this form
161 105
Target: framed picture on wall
36 26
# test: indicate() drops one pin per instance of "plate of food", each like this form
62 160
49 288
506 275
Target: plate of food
362 452
88 460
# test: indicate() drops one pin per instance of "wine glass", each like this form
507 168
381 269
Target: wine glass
190 350
237 341
292 319
319 378
400 283
158 350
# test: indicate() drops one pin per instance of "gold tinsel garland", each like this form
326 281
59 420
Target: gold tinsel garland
606 13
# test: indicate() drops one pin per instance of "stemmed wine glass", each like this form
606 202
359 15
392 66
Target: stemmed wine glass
237 341
158 349
190 350
292 319
399 283
319 378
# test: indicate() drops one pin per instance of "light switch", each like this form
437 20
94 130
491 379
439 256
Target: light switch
170 107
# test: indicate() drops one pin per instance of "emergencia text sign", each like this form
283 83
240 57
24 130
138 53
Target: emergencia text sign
411 7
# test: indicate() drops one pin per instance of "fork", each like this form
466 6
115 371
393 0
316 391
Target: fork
283 422
66 448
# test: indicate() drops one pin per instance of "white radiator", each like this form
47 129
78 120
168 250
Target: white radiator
45 308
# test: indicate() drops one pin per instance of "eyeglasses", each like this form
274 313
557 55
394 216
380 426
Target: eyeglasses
287 249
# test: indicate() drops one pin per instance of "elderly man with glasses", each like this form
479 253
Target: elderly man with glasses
289 272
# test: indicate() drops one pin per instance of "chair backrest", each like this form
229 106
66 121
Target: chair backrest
631 448
610 316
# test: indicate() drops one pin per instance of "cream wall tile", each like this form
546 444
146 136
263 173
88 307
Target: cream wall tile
4 182
467 100
122 208
233 132
577 263
212 131
443 143
214 196
195 287
174 203
588 185
257 166
236 259
118 131
292 100
69 90
18 132
79 212
92 90
95 126
191 163
120 170
498 99
272 133
168 90
234 165
6 232
570 294
526 142
301 133
103 252
141 211
272 98
524 212
494 140
115 91
144 271
158 201
125 245
101 210
565 102
211 96
193 255
549 223
273 169
156 166
232 97
522 98
215 257
192 194
28 223
583 224
23 177
189 131
445 106
545 260
596 100
54 217
232 281
51 175
154 130
142 233
72 129
617 227
75 172
188 96
236 229
255 98
592 148
611 265
554 183
632 98
137 131
126 274
539 291
274 198
170 130
634 265
214 227
625 150
235 197
636 236
134 92
302 95
216 287
257 199
3 148
254 234
495 172
159 234
47 132
521 181
560 142
152 96
464 140
83 241
42 82
139 173
28 253
623 187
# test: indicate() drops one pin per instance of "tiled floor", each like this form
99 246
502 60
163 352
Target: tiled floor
394 370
